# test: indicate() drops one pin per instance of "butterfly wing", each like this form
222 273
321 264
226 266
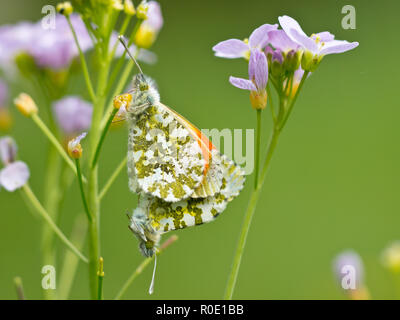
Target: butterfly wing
165 159
166 216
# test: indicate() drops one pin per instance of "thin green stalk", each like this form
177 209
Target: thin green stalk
114 176
122 30
142 266
258 143
55 142
79 174
271 103
100 278
19 288
43 213
70 261
293 101
248 217
83 62
103 135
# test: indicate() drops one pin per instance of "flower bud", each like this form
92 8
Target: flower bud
292 60
258 99
65 8
117 5
309 61
141 12
75 148
149 29
129 8
8 150
25 104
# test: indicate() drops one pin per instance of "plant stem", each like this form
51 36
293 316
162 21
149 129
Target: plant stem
112 178
43 213
248 217
142 266
83 62
19 288
258 143
70 261
103 135
85 205
100 277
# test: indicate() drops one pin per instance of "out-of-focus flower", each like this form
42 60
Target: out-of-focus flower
129 8
258 78
315 46
73 115
149 29
235 48
8 150
25 104
5 116
50 48
65 8
117 5
74 146
142 9
348 269
15 173
391 257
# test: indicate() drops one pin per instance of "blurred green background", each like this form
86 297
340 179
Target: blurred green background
333 184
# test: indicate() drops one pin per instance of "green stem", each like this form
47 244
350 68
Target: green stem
100 278
43 213
258 143
55 142
248 217
114 176
103 135
70 261
271 104
83 62
19 288
142 266
85 205
293 101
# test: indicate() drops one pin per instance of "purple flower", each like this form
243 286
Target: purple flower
279 40
258 78
319 44
346 261
51 48
235 48
15 173
73 114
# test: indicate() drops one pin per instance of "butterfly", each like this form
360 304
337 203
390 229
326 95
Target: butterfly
181 178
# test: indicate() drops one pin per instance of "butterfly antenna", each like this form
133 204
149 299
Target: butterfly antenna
151 289
121 39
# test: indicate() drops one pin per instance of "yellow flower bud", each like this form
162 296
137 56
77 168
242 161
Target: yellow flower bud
145 37
129 8
65 8
142 10
391 257
258 99
75 148
25 104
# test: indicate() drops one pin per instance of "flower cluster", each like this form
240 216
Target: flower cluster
284 54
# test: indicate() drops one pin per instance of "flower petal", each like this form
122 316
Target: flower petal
232 48
294 32
8 150
14 176
338 46
325 36
258 69
259 37
242 83
280 40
